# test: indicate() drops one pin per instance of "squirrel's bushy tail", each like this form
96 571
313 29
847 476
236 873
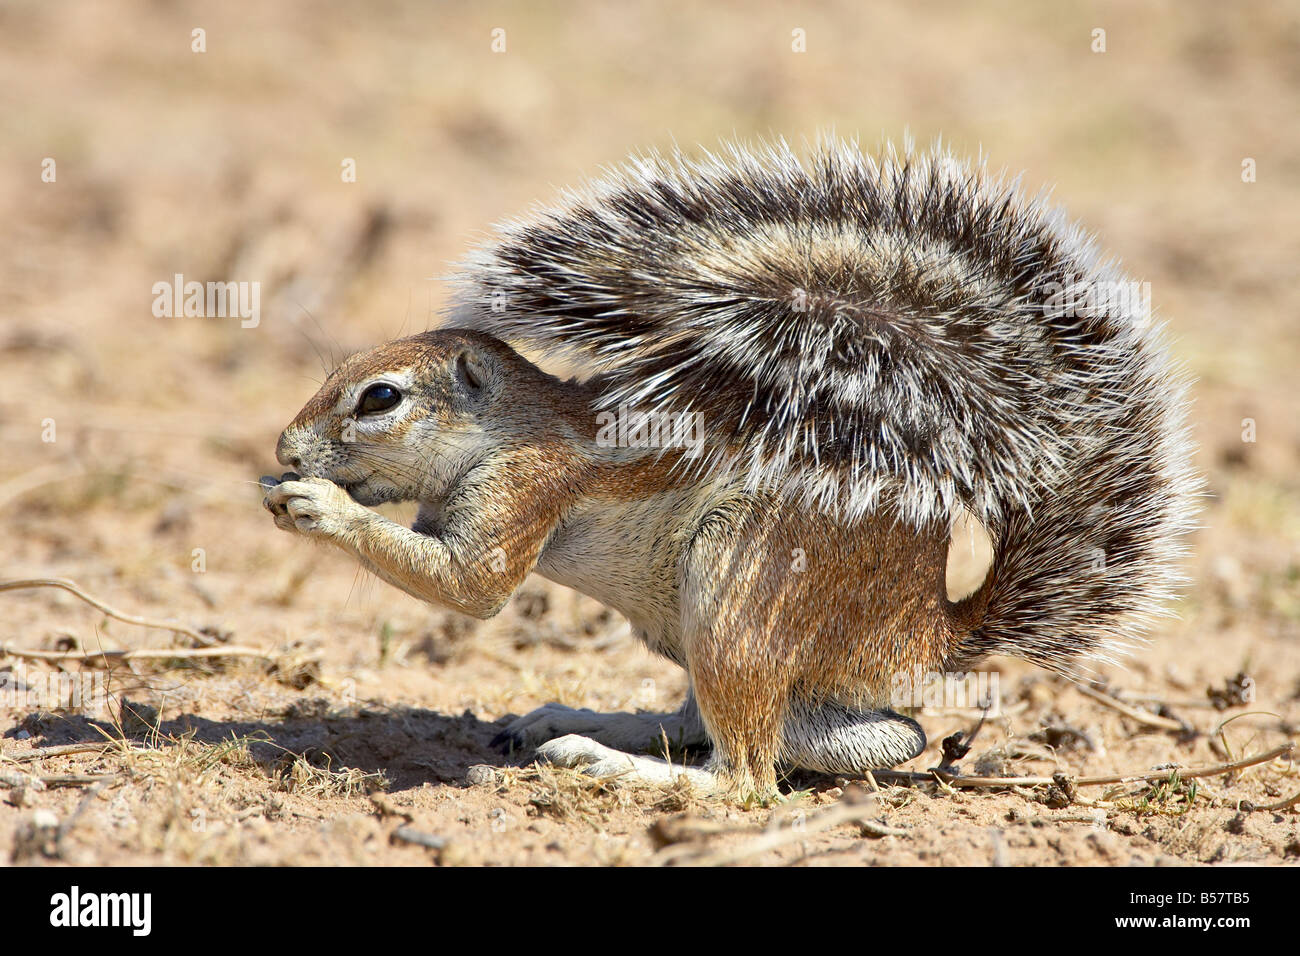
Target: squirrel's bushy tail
1080 573
901 333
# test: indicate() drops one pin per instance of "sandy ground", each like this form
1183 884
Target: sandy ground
369 709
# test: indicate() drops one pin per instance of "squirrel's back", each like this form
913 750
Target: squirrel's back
899 334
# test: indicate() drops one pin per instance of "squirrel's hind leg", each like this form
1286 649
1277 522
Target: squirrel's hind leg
832 738
636 733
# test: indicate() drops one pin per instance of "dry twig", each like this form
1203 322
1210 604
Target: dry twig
89 747
1141 716
846 811
73 588
1280 805
139 654
951 780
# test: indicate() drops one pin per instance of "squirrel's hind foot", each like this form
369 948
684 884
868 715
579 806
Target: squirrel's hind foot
636 733
597 760
835 739
828 738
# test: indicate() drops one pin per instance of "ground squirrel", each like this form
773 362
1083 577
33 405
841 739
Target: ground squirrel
845 353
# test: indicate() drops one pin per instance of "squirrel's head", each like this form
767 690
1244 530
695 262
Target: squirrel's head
402 422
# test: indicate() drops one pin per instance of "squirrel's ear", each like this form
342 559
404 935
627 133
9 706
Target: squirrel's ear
470 368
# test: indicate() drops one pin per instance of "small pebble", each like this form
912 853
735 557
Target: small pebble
37 835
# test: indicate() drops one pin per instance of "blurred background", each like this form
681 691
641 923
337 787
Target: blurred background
342 157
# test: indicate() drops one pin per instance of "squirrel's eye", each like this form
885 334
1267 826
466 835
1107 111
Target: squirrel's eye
378 398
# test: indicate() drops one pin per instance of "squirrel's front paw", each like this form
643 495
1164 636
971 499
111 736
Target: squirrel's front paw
311 506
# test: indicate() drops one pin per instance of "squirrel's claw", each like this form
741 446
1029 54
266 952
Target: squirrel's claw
268 482
545 723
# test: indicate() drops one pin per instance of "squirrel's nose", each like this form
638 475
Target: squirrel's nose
284 455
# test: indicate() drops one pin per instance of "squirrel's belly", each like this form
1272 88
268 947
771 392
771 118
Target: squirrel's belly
627 554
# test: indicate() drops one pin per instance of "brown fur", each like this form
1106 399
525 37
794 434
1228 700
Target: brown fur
869 604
